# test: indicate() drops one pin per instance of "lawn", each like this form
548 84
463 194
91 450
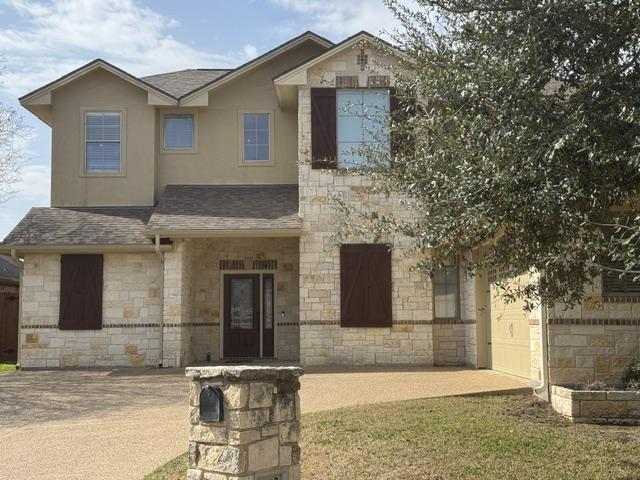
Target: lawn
456 438
7 367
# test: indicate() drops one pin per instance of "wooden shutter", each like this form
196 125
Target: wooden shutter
81 292
324 145
400 110
365 285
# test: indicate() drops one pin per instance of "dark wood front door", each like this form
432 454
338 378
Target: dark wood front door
242 315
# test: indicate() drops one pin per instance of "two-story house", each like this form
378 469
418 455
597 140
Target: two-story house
192 220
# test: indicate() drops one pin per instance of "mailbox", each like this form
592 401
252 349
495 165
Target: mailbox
211 405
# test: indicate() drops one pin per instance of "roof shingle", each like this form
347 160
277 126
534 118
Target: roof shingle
82 226
184 81
226 207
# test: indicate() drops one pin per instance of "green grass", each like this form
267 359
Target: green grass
457 438
7 367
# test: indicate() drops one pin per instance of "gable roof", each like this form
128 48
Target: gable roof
343 45
182 82
256 62
90 67
173 87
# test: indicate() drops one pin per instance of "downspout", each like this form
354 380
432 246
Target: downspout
161 293
543 390
20 265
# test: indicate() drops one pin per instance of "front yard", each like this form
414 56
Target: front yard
456 438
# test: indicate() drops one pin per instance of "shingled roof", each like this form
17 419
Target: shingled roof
82 226
184 81
212 208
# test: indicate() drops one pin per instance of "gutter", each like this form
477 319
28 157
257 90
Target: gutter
160 255
544 389
20 265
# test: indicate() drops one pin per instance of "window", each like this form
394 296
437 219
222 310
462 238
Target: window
614 284
80 292
102 142
365 285
362 125
256 137
446 292
178 132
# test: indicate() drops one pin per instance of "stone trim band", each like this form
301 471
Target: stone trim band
128 325
595 321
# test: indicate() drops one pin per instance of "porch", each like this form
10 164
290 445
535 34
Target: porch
231 298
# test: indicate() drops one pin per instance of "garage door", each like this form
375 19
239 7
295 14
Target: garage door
509 348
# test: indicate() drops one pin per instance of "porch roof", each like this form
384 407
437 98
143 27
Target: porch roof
44 226
211 209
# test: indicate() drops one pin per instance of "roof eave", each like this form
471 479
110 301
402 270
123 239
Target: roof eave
42 95
256 62
210 233
66 248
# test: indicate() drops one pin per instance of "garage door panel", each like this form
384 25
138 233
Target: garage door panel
509 334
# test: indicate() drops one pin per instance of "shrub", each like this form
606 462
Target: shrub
632 379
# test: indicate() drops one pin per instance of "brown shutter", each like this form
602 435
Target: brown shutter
81 292
400 110
365 285
324 145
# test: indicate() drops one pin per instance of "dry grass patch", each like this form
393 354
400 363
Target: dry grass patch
458 438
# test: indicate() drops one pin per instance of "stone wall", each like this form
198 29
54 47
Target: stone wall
130 335
603 407
596 340
207 284
322 340
260 429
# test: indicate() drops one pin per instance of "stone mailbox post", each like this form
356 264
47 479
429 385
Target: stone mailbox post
257 438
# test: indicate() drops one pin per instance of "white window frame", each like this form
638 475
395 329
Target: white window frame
272 151
123 139
179 151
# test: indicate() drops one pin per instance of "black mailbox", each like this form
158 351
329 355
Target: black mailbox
211 406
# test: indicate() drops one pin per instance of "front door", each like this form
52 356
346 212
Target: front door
242 315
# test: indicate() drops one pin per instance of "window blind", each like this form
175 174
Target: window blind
178 132
102 141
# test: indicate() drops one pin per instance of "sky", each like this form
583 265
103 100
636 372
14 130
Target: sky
42 40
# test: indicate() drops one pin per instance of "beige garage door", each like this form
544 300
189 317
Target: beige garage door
509 349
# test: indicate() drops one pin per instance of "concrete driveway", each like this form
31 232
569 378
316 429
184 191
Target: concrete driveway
123 424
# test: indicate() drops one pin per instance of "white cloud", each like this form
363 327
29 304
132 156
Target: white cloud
250 51
54 38
342 17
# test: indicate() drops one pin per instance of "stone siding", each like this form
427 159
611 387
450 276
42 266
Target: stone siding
596 340
258 436
194 288
130 335
603 407
322 340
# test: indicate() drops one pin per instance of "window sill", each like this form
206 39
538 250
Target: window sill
178 151
621 298
103 174
257 163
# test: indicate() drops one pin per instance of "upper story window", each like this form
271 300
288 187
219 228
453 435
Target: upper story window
256 136
614 284
362 125
446 292
178 132
103 142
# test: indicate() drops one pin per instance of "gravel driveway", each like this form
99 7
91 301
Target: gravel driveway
123 424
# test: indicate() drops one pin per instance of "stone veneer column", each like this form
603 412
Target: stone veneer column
258 437
177 302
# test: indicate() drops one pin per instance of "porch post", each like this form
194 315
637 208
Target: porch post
177 305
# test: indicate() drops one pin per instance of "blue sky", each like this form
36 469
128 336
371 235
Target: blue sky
42 40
